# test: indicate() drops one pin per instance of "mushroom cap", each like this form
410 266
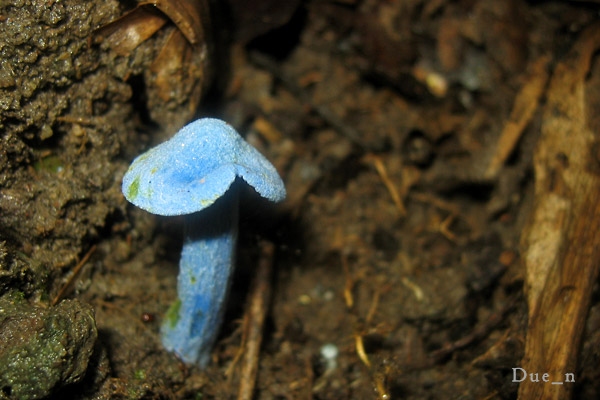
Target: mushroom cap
188 172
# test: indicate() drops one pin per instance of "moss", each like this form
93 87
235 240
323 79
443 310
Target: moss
140 374
49 164
134 188
172 316
43 348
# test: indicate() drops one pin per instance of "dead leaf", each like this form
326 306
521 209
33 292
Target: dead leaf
177 76
132 29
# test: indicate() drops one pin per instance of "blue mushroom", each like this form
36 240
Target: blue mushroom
193 173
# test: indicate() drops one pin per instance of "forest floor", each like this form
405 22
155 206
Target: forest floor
410 137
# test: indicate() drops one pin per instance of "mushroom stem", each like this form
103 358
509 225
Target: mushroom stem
192 323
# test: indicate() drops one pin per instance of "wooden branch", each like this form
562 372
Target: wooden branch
560 245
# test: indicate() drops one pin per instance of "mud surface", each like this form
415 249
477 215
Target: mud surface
396 245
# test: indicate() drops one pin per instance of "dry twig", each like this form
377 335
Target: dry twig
526 102
260 295
382 171
74 275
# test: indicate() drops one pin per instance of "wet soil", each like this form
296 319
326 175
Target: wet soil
396 249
